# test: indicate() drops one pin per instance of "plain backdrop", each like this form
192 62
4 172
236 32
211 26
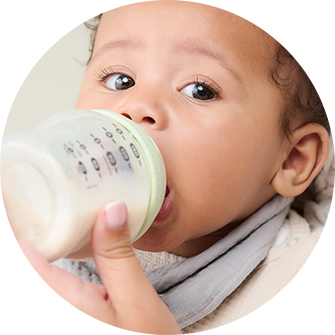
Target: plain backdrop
44 47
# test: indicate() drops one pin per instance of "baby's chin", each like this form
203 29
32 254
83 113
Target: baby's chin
158 241
152 242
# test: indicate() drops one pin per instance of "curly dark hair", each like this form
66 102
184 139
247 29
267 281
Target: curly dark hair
307 29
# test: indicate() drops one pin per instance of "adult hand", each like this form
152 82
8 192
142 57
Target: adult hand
126 299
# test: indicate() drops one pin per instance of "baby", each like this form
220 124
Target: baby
236 120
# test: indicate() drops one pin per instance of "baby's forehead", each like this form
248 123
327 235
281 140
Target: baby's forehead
243 40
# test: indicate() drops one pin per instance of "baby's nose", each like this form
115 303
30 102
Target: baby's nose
146 110
145 119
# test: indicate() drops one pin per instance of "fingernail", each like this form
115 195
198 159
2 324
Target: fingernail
115 214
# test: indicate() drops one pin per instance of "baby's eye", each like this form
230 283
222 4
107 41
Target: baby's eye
198 91
119 82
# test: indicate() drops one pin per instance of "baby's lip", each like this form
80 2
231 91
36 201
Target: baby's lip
167 205
167 191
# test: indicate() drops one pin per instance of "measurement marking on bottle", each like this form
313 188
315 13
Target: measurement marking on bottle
116 170
104 128
114 125
70 152
108 167
82 168
79 153
77 141
129 165
99 174
135 151
102 146
91 186
86 179
87 152
92 135
124 153
123 137
140 163
111 158
113 141
95 164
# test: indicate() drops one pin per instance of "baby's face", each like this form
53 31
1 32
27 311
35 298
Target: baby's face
197 80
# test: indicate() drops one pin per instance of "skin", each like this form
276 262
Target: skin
220 154
225 157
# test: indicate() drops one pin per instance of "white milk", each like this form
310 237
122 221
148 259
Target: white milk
29 204
56 178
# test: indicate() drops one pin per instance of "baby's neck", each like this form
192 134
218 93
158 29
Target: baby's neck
196 246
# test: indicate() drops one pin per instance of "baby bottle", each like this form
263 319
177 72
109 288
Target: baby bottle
56 178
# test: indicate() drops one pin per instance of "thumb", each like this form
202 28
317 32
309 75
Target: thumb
110 235
114 256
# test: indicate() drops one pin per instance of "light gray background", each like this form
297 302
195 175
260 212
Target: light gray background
44 46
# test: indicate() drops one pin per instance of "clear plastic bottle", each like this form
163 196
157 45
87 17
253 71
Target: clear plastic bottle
56 178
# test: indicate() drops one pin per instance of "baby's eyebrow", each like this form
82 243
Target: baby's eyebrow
195 48
122 43
188 47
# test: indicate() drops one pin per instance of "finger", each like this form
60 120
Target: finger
123 277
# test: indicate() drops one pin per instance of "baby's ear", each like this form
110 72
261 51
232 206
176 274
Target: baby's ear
307 154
